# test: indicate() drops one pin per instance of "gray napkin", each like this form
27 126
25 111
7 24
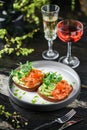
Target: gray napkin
4 84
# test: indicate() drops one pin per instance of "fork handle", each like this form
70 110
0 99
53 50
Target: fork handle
45 125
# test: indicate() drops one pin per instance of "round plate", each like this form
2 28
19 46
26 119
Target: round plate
32 100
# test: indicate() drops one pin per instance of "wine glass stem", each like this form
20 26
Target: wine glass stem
69 52
50 50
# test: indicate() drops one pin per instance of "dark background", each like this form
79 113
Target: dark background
79 49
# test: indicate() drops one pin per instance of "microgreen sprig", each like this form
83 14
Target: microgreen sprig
23 70
52 78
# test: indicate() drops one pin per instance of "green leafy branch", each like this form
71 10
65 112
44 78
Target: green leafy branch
29 8
30 11
14 118
14 44
72 5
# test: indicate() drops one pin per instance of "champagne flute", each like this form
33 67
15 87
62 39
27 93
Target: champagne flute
69 31
50 17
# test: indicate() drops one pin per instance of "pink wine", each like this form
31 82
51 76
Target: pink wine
69 32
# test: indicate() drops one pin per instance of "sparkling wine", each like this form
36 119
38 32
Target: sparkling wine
50 16
69 32
50 28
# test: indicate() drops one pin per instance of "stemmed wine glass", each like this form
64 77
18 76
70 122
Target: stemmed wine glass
69 31
50 17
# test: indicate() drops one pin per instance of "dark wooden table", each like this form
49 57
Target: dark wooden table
37 118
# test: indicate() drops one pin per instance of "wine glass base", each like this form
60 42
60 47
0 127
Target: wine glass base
73 63
50 56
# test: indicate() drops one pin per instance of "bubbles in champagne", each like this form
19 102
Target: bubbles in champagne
50 27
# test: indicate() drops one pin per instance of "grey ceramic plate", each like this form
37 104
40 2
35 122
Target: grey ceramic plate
31 100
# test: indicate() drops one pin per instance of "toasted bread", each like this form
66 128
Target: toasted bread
60 92
31 81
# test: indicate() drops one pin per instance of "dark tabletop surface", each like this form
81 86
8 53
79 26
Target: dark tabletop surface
37 118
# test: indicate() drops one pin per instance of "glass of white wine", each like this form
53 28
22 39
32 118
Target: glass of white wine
50 17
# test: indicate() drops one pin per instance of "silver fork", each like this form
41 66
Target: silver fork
60 120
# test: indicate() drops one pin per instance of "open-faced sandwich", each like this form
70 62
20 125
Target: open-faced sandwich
26 77
54 88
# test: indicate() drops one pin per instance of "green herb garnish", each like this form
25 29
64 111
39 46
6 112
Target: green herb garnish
49 82
20 97
16 94
16 90
34 100
51 78
73 83
23 70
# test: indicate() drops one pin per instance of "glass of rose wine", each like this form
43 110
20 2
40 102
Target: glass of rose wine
50 17
69 31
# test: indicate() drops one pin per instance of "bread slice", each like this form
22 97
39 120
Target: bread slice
31 81
60 91
48 98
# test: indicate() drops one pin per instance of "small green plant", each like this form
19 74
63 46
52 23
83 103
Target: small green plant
29 9
72 5
16 120
13 43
